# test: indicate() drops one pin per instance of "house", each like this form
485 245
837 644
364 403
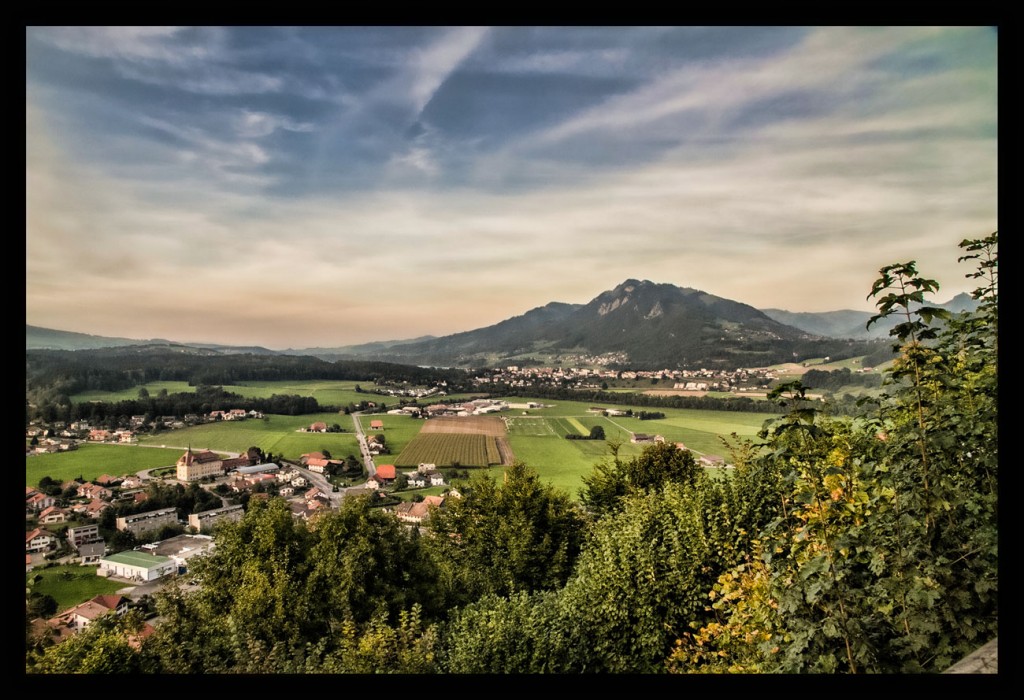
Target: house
131 482
316 465
80 616
83 534
287 491
418 512
108 480
40 540
711 461
386 473
53 514
94 491
95 507
318 427
299 481
417 480
39 502
376 425
98 435
92 552
436 478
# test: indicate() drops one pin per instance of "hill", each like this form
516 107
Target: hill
852 324
641 324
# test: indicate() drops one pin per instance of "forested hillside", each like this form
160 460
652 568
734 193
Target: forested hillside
866 544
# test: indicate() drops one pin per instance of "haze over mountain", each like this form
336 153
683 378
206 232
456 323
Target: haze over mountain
638 323
848 323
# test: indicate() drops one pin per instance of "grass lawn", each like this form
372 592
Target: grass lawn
71 584
90 461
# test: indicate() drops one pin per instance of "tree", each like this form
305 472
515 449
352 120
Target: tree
597 433
884 557
143 393
520 535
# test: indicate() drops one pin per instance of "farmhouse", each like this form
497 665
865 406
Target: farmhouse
711 461
376 425
318 427
386 473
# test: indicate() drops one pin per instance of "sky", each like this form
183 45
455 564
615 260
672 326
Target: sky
299 187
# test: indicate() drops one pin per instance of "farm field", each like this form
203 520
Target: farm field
90 461
70 585
469 441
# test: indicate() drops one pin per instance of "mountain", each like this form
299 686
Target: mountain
638 323
37 338
851 324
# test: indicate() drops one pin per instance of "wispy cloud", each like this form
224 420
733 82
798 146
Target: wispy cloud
443 179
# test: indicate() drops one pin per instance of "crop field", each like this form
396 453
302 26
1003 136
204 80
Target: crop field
469 425
450 449
467 441
90 461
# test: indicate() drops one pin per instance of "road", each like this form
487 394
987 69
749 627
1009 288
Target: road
371 469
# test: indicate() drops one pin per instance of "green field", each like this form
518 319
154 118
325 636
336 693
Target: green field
274 433
70 585
398 431
90 461
537 439
449 450
326 392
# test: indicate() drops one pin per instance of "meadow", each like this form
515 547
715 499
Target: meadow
90 461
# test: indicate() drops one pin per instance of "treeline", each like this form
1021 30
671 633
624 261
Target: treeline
708 403
68 372
204 400
839 378
861 546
